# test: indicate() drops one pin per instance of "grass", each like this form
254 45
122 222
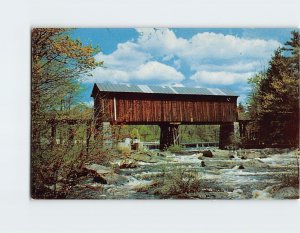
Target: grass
175 148
180 183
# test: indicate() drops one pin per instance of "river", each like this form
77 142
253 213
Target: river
241 174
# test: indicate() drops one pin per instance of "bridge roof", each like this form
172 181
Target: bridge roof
108 87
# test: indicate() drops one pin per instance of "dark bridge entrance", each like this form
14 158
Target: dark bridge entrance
167 107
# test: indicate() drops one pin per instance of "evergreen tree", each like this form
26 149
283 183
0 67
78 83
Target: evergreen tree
274 102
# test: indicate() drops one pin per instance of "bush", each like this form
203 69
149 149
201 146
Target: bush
55 171
175 149
179 184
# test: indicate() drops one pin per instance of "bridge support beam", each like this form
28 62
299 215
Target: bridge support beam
226 135
104 134
169 135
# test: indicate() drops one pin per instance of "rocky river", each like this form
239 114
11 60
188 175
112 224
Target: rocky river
208 173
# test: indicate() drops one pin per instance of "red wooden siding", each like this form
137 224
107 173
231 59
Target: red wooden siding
154 108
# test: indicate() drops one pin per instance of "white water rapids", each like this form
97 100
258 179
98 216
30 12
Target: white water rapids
223 177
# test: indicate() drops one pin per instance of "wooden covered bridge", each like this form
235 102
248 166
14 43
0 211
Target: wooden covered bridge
167 107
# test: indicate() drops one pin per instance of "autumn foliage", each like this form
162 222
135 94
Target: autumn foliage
57 64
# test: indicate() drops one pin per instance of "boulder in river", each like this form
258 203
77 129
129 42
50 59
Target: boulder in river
241 167
261 194
100 169
144 157
113 178
287 193
200 157
128 163
236 167
236 194
105 175
203 164
100 179
163 153
207 153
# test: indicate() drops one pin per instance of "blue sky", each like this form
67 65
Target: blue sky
196 57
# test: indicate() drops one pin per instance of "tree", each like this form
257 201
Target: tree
274 101
241 107
58 62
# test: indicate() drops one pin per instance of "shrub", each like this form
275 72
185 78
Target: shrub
175 149
179 184
55 171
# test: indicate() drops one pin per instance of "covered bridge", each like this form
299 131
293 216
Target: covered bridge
165 106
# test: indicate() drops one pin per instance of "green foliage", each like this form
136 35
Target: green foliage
146 133
134 133
179 183
175 149
58 62
196 133
274 101
188 133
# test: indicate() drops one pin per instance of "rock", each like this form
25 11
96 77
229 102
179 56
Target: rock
243 157
231 157
75 174
100 179
287 193
123 147
261 195
148 153
144 157
113 178
145 187
236 194
207 153
221 153
162 154
104 174
203 164
241 167
128 164
98 168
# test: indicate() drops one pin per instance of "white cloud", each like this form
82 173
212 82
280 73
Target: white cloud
214 58
107 74
220 77
151 71
127 56
213 45
206 47
238 66
160 42
157 71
